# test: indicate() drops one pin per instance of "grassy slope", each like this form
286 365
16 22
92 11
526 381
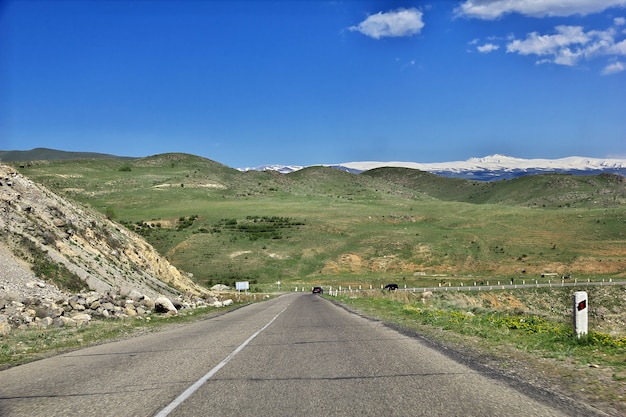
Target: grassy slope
546 191
383 224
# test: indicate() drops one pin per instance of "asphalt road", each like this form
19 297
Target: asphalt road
297 355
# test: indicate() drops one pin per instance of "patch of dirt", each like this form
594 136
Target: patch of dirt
278 256
352 262
164 223
238 253
500 301
207 185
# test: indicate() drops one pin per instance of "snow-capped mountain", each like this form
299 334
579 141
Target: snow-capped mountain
283 169
489 168
495 167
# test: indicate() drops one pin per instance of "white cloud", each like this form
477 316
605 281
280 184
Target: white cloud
558 45
493 9
619 21
409 64
619 48
614 68
569 45
486 48
397 23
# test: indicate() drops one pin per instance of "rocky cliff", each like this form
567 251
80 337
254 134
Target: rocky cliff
104 255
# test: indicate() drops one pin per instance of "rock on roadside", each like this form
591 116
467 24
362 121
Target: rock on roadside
79 309
27 301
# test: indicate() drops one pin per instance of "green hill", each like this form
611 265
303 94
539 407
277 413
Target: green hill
322 225
544 190
45 154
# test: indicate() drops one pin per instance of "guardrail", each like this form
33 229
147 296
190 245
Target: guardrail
482 287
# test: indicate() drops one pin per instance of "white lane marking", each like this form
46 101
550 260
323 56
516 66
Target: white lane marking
189 391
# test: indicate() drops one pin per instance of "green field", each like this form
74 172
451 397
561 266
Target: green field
322 225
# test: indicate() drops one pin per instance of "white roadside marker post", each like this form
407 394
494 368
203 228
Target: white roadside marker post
581 309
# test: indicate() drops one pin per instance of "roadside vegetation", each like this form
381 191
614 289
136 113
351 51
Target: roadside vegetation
48 270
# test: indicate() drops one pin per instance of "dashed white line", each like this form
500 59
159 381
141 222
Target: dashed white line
189 391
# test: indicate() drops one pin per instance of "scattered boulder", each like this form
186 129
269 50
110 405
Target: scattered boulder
220 287
44 322
64 322
79 309
147 303
135 295
59 222
164 305
82 319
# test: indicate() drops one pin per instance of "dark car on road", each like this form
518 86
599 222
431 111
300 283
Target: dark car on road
318 290
391 287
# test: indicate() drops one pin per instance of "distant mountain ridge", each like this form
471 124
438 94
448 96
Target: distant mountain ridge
46 154
489 168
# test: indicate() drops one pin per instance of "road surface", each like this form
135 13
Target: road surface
296 355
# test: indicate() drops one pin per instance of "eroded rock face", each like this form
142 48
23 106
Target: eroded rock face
105 255
125 274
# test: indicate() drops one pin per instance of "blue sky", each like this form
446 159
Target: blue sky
248 83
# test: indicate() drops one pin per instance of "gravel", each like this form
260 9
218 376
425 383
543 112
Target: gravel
18 281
